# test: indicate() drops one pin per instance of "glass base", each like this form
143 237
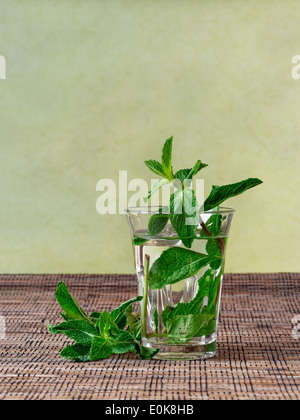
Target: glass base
195 351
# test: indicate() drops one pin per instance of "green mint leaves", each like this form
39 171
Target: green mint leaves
195 318
102 333
183 208
164 168
80 331
157 223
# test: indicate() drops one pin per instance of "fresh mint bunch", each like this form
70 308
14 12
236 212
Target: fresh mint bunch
101 334
198 317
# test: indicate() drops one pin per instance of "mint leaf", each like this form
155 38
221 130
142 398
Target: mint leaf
182 174
191 319
220 194
134 323
157 223
69 304
80 331
156 167
166 158
123 342
196 168
119 314
101 348
209 325
213 289
184 327
213 248
76 352
213 224
106 324
163 169
183 215
176 264
196 304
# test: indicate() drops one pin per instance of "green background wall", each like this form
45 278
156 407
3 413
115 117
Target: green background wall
96 86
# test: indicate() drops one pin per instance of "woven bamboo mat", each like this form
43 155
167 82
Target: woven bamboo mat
258 357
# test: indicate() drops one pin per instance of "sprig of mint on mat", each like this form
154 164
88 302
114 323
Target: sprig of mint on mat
101 334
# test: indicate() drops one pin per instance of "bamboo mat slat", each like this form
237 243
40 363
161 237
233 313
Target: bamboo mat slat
257 356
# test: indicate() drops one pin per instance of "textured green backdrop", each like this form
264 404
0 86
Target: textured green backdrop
95 86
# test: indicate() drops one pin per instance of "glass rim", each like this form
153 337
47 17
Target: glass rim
155 210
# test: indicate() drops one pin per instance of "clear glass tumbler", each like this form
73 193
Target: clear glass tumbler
181 319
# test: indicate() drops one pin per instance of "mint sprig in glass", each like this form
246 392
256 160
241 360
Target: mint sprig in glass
179 252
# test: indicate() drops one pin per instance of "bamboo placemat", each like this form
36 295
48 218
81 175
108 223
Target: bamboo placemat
258 357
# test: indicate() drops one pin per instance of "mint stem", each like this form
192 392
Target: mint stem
145 297
205 228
